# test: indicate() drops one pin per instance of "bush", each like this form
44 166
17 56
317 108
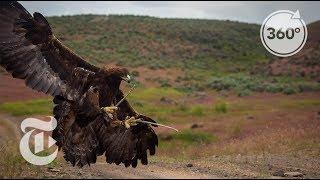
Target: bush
273 88
307 87
290 90
164 83
156 65
244 84
183 108
221 107
190 136
197 111
224 83
243 92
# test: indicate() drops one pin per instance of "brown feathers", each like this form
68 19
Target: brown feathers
119 71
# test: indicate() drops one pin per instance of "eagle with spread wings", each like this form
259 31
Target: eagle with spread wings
85 96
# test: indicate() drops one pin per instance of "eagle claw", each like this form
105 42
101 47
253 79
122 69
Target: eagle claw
128 122
109 110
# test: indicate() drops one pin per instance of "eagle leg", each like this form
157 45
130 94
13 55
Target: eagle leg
116 123
128 122
109 110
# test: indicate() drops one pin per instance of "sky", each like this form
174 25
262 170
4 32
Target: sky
243 11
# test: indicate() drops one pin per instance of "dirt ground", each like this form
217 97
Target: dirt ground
234 166
15 90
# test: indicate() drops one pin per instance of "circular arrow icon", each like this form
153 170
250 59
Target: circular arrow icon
284 33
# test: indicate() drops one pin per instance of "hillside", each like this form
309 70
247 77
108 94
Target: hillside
306 63
159 43
202 54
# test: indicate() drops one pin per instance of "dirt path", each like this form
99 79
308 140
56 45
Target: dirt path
9 127
154 170
12 89
237 166
270 166
61 169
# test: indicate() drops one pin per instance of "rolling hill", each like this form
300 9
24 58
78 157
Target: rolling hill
306 63
159 43
190 54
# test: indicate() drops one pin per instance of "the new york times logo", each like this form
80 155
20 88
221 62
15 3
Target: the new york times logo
39 140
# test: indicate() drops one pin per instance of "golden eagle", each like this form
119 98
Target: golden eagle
89 123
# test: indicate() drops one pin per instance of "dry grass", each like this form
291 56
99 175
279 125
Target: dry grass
252 125
12 164
287 141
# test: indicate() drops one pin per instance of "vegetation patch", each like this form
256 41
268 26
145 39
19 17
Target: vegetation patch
305 103
190 136
39 107
12 164
207 55
197 111
158 43
243 84
221 107
236 128
155 93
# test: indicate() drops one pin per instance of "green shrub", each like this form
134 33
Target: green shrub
290 90
190 136
244 84
221 107
197 111
308 87
156 65
183 107
164 83
243 92
273 88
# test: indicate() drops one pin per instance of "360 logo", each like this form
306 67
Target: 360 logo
284 33
25 150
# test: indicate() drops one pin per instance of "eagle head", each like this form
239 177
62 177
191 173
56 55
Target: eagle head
117 73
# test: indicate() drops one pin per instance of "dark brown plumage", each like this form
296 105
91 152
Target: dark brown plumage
30 51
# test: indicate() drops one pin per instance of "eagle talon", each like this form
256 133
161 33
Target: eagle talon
110 115
130 122
109 110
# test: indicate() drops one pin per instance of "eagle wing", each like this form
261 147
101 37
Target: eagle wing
83 143
30 51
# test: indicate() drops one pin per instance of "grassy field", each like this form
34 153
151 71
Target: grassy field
40 107
225 125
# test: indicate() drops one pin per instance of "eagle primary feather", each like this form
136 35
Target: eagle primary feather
30 51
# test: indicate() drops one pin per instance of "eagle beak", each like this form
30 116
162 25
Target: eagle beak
127 78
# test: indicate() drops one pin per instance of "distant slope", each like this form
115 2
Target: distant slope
306 63
159 43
